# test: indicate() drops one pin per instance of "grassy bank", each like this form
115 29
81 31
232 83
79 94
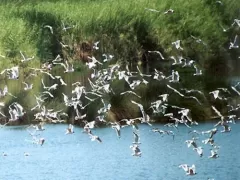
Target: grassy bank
127 29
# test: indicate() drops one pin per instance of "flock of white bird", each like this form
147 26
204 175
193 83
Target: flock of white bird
100 85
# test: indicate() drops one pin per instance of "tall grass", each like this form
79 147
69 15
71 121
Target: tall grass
124 26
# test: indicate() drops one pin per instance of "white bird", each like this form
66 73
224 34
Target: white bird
175 90
49 27
226 127
175 77
217 112
46 66
41 141
145 117
136 138
19 109
12 73
136 150
187 63
57 59
174 125
130 92
49 74
61 80
93 63
95 138
159 53
214 154
158 106
225 29
107 57
199 150
237 21
141 74
5 92
158 75
63 45
67 66
198 40
15 112
198 71
95 45
161 132
90 124
177 44
116 126
194 132
39 99
69 130
235 43
192 143
25 58
235 90
192 91
224 90
40 127
164 97
76 83
219 2
177 61
2 56
67 101
157 130
208 141
212 132
134 84
80 117
215 94
231 119
180 94
189 170
106 107
27 86
3 125
79 90
131 122
26 154
169 11
53 87
65 28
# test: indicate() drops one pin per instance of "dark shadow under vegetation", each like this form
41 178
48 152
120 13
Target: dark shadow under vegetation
48 44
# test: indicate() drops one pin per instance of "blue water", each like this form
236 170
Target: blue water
75 156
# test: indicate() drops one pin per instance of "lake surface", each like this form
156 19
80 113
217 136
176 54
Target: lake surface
75 156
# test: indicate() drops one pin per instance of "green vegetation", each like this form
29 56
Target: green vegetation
124 28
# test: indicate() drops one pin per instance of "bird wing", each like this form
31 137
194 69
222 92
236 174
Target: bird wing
18 107
117 129
235 42
22 55
71 127
217 112
62 64
43 84
184 167
139 70
140 106
136 137
193 168
50 28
